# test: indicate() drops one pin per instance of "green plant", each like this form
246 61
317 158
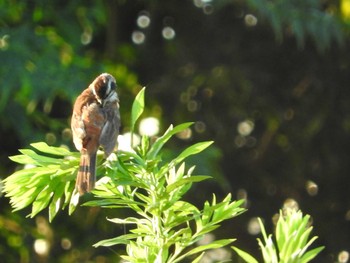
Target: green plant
292 240
165 227
303 19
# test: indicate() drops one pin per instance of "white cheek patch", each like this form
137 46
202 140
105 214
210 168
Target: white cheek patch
108 88
92 87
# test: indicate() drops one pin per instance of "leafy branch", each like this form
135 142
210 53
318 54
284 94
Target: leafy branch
164 227
292 240
47 179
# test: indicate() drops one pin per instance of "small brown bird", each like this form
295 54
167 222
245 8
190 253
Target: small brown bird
95 122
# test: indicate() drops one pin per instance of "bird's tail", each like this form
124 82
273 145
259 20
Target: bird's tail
86 174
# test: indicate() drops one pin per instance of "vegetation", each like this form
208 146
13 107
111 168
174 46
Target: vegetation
266 80
166 227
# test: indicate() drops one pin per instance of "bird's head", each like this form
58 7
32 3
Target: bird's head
104 88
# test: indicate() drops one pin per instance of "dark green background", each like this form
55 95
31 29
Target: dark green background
288 74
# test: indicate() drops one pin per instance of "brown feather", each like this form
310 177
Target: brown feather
86 174
95 121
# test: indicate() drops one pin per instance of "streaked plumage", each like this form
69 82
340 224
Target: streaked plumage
95 122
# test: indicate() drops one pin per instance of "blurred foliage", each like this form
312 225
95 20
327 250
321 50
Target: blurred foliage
292 240
301 19
220 67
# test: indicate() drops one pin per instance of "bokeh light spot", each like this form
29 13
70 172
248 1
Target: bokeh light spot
143 21
208 9
208 92
168 33
289 114
242 194
66 244
347 215
66 134
138 37
253 226
86 36
4 42
250 20
149 126
192 106
200 126
207 239
185 134
245 128
290 204
124 141
311 188
50 138
343 256
41 247
240 141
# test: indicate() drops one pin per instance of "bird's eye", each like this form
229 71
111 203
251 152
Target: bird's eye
102 91
113 85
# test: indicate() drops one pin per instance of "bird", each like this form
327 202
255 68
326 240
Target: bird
95 123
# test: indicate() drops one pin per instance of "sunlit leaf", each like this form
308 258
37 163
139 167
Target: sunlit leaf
73 202
137 107
198 259
41 159
112 203
55 204
212 245
43 147
206 229
22 200
41 201
23 159
187 180
192 150
68 191
244 255
159 143
124 239
310 255
128 220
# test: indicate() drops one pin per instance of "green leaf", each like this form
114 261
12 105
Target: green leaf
42 160
213 245
244 255
55 204
124 239
22 200
23 159
194 149
128 220
197 259
137 108
68 191
303 239
185 208
41 201
188 180
311 254
43 147
159 143
262 228
111 203
74 200
178 235
206 229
